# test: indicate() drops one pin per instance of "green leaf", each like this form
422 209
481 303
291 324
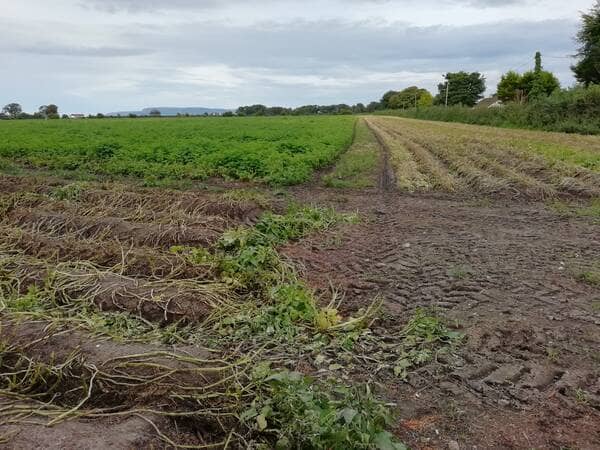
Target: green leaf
385 441
248 414
348 414
283 444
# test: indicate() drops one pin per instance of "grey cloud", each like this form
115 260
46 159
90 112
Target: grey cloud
221 64
133 6
136 6
317 45
78 51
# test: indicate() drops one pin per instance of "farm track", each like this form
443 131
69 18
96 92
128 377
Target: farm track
498 266
502 272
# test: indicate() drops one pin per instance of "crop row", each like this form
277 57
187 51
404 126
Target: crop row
460 158
279 150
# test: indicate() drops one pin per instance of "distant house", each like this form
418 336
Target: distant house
489 102
77 116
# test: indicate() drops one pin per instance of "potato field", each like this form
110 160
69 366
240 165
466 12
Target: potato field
325 282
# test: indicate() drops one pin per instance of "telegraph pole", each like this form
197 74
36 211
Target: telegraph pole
447 88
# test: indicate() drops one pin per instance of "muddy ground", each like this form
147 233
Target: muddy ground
501 273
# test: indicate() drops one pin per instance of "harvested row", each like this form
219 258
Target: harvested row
191 203
439 176
520 170
126 260
140 213
54 375
479 158
114 228
407 172
518 180
161 301
469 175
13 184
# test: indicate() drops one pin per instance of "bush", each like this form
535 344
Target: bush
575 110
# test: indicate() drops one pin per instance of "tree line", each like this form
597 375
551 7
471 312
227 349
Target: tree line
15 111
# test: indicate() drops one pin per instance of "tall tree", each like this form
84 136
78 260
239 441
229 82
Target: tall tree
385 100
587 69
510 87
13 110
538 62
409 98
48 111
461 88
532 84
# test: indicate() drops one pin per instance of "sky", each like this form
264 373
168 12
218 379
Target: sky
93 56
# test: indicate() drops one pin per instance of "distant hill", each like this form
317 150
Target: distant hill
172 111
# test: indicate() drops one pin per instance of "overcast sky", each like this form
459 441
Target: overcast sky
108 55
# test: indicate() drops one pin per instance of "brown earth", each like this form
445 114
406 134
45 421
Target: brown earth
501 273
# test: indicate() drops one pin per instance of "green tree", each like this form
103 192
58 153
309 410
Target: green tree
48 111
374 106
587 69
410 97
12 110
510 87
538 62
155 113
463 89
540 84
532 84
425 99
385 100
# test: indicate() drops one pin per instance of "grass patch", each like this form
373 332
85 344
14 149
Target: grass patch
590 276
590 210
357 167
460 272
573 156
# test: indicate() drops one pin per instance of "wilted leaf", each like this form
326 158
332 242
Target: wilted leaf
261 422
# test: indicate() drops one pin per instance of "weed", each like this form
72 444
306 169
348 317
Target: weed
460 272
422 337
300 413
581 396
248 195
71 192
590 275
590 210
553 354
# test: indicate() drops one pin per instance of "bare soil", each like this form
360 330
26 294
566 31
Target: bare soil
502 274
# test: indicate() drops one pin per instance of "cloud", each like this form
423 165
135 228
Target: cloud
102 62
76 51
